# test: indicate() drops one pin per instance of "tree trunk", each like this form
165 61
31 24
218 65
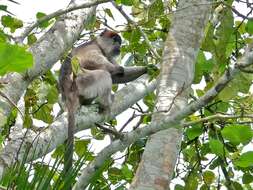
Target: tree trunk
177 72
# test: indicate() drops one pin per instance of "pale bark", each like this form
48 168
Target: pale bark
41 143
181 48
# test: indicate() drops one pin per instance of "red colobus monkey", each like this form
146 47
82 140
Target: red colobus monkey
97 64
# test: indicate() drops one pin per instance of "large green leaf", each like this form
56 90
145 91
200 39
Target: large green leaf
44 24
194 132
217 147
14 58
237 134
249 27
245 160
202 66
208 177
11 22
247 178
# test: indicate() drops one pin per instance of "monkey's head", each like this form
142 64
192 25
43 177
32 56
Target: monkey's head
110 42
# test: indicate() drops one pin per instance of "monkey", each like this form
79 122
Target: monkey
97 63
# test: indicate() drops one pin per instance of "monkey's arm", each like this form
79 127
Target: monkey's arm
95 60
130 74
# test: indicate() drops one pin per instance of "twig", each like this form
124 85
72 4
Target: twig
127 122
40 106
236 11
215 117
107 130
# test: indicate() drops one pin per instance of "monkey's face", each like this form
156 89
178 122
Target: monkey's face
116 43
110 42
115 50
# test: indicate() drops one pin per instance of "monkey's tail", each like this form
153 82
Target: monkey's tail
68 154
65 80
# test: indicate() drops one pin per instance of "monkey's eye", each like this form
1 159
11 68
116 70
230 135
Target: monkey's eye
117 38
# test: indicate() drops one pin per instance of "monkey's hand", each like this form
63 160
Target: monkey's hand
118 71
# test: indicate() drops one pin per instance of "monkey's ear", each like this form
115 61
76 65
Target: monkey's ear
108 33
104 32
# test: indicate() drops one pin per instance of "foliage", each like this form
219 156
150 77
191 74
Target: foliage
214 153
14 58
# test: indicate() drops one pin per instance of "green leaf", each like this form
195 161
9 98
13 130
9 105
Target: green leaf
191 183
217 147
114 171
91 22
241 25
194 132
249 27
132 36
109 13
245 160
202 66
156 9
44 114
179 187
52 96
12 23
31 39
232 89
247 178
127 173
237 185
3 36
190 154
97 133
204 187
208 177
3 7
237 134
44 24
81 147
75 65
59 151
223 33
127 2
27 121
208 41
14 58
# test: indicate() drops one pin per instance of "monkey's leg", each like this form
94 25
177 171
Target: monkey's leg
105 102
96 84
